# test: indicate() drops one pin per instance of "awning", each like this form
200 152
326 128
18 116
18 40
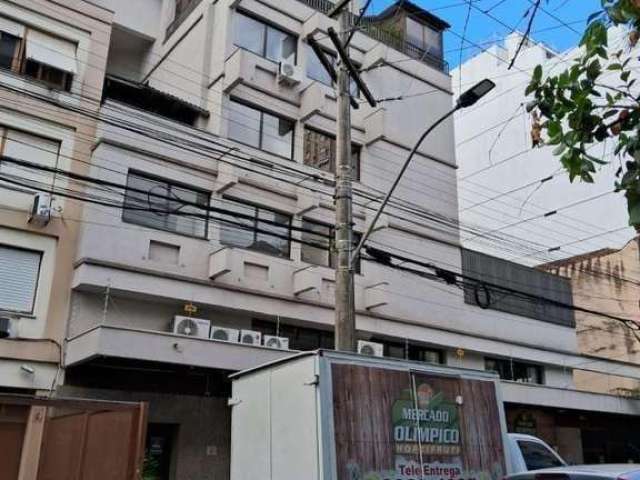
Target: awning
52 51
12 28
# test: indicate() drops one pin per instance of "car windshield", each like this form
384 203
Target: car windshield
537 456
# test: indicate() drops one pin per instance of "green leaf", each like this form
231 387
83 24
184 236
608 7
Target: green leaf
615 66
624 76
537 73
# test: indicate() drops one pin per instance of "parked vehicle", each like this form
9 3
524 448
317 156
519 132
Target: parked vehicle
623 471
527 452
341 416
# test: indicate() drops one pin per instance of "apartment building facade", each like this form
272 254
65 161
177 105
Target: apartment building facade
208 212
50 54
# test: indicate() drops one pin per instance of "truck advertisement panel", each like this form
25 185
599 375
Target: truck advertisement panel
401 425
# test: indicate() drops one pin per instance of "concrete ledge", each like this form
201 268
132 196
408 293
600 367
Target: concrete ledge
129 343
543 396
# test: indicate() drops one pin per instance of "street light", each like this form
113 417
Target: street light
468 98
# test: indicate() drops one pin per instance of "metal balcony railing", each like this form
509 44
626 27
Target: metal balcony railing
388 37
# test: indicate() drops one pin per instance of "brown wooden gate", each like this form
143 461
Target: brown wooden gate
76 439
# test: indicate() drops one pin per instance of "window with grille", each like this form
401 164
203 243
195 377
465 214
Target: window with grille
320 152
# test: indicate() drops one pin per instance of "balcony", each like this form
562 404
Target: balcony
373 27
154 346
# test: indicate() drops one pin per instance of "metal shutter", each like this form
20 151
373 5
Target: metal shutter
18 279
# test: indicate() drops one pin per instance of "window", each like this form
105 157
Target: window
260 129
49 59
184 6
19 271
146 194
424 38
514 370
255 228
316 71
264 40
537 456
320 152
412 352
322 235
31 148
300 338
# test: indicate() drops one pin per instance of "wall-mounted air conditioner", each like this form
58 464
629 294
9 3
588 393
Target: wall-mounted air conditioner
225 334
191 327
289 74
250 337
271 341
41 209
370 348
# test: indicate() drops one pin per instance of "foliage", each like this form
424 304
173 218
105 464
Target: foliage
582 107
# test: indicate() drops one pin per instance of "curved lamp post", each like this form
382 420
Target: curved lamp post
468 98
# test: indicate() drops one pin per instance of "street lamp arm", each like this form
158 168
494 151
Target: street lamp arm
372 225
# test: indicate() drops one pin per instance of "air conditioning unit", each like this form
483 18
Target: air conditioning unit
225 334
372 349
191 327
289 74
271 341
250 337
41 209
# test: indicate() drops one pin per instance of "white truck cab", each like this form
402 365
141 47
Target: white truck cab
527 452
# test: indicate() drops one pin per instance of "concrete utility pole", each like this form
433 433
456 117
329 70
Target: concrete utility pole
345 328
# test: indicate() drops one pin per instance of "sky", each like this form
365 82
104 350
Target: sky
482 29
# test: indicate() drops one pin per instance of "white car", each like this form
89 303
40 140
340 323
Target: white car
527 452
624 471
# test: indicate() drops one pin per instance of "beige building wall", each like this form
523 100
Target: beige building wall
606 281
58 118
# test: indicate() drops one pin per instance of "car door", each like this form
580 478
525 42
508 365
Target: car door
538 455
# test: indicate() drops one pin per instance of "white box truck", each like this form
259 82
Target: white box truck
329 415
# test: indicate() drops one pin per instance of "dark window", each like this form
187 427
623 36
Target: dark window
183 7
537 456
317 248
424 38
514 370
160 204
9 51
300 338
159 450
260 129
50 75
264 40
255 228
320 152
411 351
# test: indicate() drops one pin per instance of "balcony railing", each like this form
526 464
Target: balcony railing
390 38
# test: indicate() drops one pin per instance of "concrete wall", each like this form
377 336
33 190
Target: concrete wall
495 155
606 281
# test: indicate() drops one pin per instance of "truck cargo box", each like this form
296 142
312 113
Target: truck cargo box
329 415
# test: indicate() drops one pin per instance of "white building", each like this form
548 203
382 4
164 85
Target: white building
509 191
215 177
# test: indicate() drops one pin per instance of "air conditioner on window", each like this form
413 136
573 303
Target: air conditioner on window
250 337
191 327
225 334
41 209
289 74
370 348
271 341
